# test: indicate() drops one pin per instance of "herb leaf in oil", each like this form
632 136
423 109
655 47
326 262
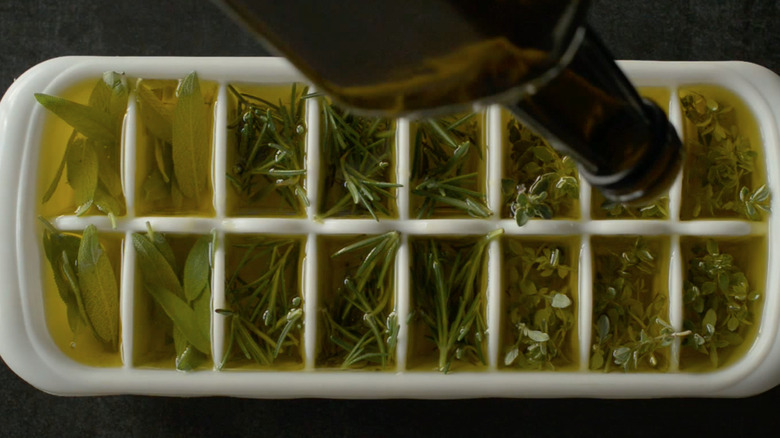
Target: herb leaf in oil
270 148
449 298
265 309
88 121
540 182
190 139
721 179
99 289
82 163
443 171
357 154
360 322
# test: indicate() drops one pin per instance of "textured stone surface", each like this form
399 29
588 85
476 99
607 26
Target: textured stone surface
36 30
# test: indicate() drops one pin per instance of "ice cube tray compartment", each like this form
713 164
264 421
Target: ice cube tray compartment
26 345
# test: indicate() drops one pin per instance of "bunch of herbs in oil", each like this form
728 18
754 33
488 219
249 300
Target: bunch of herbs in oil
658 209
86 282
357 163
269 150
630 329
182 292
448 294
359 321
447 156
540 305
264 303
179 132
539 181
91 163
718 301
719 178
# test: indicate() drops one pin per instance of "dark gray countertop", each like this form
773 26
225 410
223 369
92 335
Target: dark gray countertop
36 30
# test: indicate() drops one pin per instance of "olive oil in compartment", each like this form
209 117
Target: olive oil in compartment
539 302
66 322
163 263
537 180
357 165
266 152
448 167
631 330
264 302
724 174
174 147
723 293
79 169
358 324
659 209
448 329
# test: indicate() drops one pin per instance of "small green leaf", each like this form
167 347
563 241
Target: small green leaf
183 317
157 117
191 127
154 267
197 268
560 301
90 122
99 290
82 165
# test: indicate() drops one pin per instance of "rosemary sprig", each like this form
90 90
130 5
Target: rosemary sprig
718 179
449 297
446 156
92 154
541 311
360 321
718 301
269 148
629 326
540 182
357 155
183 294
264 305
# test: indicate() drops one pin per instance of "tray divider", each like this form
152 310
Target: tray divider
127 301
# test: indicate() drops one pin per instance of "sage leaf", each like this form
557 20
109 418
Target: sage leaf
98 285
155 268
197 268
90 122
57 176
190 139
183 317
157 117
202 308
162 245
82 165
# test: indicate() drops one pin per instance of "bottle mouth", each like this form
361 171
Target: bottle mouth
653 173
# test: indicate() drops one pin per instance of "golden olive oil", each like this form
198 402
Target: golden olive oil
156 191
81 346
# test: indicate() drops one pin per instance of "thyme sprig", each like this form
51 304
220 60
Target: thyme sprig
269 148
443 174
541 310
720 180
718 301
629 326
540 182
264 306
658 209
357 155
360 321
449 296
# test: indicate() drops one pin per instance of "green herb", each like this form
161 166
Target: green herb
180 132
265 309
448 293
718 301
270 149
185 298
540 181
86 282
629 329
541 310
659 209
359 321
445 158
719 179
357 155
92 154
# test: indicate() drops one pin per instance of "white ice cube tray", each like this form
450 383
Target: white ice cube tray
27 348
